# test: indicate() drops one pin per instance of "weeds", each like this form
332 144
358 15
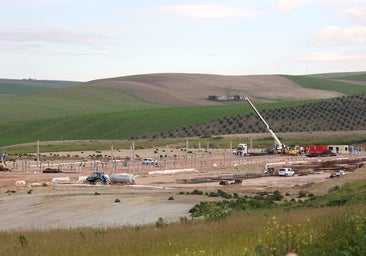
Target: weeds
23 240
160 223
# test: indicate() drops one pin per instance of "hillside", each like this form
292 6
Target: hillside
27 100
194 89
339 114
171 105
15 86
70 101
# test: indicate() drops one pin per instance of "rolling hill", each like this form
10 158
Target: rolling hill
194 89
24 86
45 99
154 105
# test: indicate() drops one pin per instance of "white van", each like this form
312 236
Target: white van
286 172
149 161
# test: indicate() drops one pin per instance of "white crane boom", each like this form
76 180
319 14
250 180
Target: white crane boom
274 136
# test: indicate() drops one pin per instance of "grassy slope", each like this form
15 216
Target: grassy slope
12 86
69 101
337 75
118 125
360 77
325 84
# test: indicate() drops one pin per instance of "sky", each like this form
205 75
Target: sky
82 40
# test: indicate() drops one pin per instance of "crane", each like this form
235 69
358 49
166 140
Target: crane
279 146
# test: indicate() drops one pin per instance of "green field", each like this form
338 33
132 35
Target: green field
118 125
339 75
12 86
329 85
360 77
70 102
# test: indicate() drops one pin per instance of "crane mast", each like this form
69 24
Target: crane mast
274 136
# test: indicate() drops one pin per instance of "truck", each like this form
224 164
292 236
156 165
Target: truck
317 150
241 150
286 172
149 161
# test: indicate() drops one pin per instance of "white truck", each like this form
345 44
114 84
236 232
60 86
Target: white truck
241 150
149 161
286 172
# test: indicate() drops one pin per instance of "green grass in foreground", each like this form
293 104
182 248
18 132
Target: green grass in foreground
324 231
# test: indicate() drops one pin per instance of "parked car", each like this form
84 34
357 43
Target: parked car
286 172
149 161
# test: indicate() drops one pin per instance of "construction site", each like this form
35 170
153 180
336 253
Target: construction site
132 186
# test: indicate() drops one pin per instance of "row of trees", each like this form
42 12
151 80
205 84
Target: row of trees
338 114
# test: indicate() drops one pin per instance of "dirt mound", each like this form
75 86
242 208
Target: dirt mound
194 89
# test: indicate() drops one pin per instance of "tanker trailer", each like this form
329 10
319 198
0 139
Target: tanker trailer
122 178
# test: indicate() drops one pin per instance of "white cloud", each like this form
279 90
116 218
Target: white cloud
357 15
50 36
287 5
354 35
208 11
39 50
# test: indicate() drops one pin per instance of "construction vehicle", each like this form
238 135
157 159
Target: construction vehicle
241 150
97 178
279 147
286 172
318 150
294 151
3 166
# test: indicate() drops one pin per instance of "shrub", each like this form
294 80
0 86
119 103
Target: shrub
23 240
160 223
197 192
302 194
277 196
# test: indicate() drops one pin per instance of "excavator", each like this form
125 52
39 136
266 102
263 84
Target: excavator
279 147
3 166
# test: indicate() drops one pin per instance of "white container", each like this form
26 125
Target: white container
126 178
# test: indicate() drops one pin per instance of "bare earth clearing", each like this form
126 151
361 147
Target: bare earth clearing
173 89
42 204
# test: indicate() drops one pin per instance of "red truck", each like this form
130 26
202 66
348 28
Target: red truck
317 150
